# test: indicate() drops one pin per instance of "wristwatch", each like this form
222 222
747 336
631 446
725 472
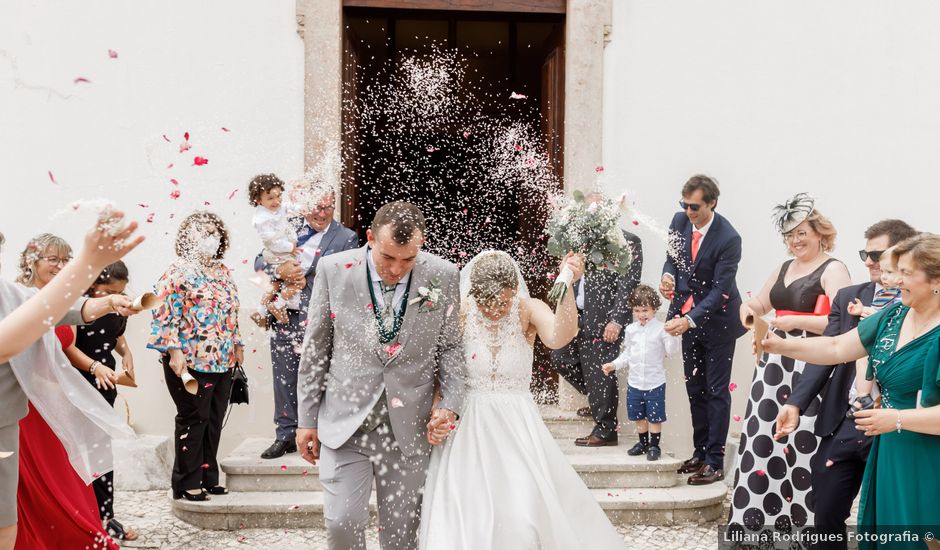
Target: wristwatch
689 320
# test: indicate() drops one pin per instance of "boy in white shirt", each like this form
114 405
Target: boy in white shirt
271 221
645 346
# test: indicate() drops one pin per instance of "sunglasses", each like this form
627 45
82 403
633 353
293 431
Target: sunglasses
875 255
686 205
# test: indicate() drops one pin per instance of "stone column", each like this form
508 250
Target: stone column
322 30
586 26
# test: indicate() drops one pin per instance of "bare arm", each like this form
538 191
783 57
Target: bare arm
824 350
556 329
31 320
760 304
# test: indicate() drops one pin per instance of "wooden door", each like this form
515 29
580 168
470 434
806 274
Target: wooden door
349 197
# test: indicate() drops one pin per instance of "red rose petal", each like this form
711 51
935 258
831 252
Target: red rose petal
185 146
761 473
112 54
224 129
205 466
186 136
81 80
166 138
150 217
636 222
52 177
332 315
200 161
174 181
737 418
232 194
142 205
598 168
732 386
283 467
175 194
168 166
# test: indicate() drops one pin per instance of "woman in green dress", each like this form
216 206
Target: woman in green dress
902 480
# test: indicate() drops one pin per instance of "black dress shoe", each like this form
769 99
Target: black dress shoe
217 490
594 441
693 465
198 497
653 453
584 412
707 476
638 449
279 448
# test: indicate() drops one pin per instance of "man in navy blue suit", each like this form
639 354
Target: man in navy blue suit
318 235
699 280
839 462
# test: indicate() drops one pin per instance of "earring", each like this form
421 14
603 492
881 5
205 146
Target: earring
936 292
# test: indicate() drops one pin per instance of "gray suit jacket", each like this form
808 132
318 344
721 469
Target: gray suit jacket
11 394
344 369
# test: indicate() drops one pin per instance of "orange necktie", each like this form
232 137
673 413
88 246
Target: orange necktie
696 240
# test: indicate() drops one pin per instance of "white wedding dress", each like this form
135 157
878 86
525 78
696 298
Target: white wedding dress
500 481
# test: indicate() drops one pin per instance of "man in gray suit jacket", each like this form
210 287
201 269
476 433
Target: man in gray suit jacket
383 332
318 236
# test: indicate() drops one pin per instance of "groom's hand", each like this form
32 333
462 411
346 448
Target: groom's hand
308 444
441 424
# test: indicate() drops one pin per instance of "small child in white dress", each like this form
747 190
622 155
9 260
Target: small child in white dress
645 347
271 222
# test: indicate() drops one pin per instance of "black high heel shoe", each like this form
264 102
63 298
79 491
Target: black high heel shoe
861 403
198 497
217 490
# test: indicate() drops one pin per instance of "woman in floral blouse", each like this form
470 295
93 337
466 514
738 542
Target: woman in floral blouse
196 328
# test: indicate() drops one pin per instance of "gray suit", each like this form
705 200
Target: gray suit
13 409
286 338
345 370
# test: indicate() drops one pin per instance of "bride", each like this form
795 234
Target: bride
499 481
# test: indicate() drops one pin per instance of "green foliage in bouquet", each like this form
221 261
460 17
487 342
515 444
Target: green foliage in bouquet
591 229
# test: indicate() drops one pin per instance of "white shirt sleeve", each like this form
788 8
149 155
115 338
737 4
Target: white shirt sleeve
671 343
268 224
622 361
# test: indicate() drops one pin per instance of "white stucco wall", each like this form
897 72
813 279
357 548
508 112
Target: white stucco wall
181 67
836 98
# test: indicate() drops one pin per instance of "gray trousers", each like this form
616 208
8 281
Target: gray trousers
347 474
285 361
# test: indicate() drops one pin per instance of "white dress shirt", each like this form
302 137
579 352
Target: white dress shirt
311 248
644 351
377 286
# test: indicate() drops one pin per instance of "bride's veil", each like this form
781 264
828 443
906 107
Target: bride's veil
522 290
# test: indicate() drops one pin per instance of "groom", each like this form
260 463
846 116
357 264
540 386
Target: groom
383 329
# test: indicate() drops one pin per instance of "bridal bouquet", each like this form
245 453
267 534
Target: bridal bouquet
591 229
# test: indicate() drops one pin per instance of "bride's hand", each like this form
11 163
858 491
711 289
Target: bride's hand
575 263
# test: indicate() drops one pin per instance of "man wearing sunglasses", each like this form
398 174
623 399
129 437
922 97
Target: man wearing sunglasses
699 280
839 461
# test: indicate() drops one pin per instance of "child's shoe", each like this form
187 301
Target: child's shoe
653 453
638 449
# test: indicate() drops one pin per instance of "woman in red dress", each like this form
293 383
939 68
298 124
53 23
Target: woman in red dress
54 505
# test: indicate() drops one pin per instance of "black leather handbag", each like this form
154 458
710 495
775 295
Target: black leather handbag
239 386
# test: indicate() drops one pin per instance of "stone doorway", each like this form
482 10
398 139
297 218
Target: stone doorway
574 74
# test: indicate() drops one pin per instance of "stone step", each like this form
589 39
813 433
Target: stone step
279 509
565 424
601 467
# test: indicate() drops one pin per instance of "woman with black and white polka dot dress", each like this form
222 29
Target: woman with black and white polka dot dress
772 478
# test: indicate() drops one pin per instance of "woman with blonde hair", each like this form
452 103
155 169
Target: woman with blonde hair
772 479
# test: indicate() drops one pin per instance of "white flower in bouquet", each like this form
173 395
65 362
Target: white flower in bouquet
591 229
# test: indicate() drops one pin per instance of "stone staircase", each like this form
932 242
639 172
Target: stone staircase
286 492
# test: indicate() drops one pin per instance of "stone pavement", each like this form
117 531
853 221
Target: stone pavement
149 512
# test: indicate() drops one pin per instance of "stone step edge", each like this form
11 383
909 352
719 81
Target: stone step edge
667 498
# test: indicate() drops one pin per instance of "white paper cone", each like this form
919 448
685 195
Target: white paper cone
147 300
190 383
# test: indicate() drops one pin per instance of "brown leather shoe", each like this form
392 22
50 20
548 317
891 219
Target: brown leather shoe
584 412
693 465
707 476
594 441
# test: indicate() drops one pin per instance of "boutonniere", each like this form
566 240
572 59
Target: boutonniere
428 296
